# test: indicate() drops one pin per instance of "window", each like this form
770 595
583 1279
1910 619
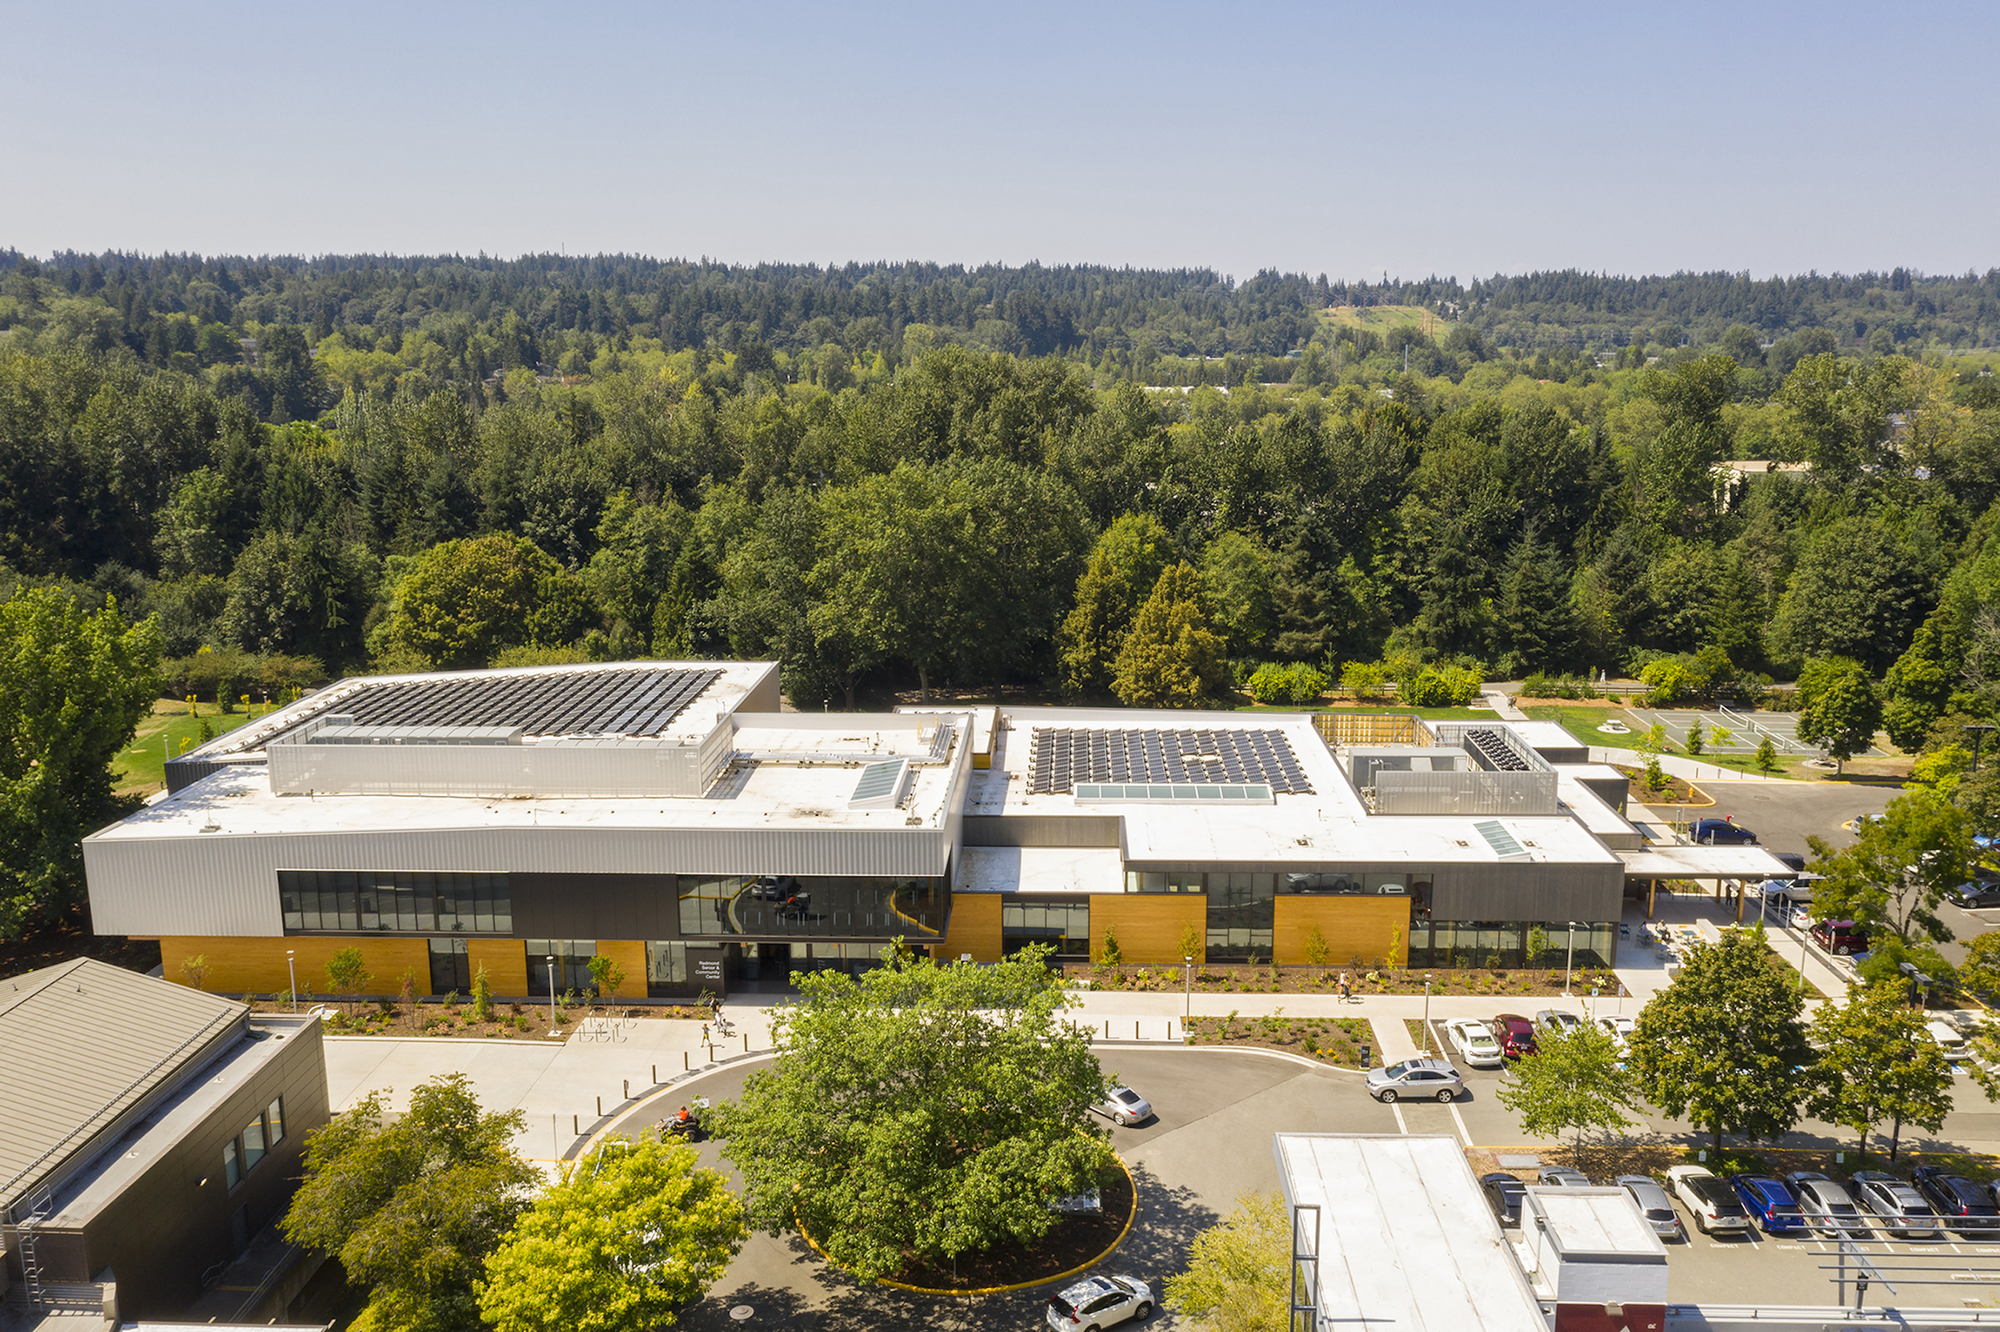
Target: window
274 1118
1064 924
253 1143
706 904
572 966
352 901
1240 915
232 1163
666 969
451 970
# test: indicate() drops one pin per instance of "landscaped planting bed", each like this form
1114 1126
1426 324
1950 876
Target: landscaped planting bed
1333 1040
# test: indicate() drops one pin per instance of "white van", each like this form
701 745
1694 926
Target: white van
1948 1040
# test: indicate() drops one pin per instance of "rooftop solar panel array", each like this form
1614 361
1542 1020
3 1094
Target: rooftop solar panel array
1059 758
641 701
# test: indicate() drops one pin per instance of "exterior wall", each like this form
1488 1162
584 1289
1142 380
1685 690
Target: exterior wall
1067 830
630 955
1359 930
173 1223
974 927
222 884
595 906
1149 924
506 963
1531 891
257 965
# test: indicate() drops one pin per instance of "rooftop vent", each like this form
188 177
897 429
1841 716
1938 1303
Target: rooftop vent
1503 843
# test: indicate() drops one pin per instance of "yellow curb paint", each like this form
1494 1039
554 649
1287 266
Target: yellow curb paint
1019 1285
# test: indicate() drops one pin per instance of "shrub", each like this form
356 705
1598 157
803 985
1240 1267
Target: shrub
1110 954
1292 682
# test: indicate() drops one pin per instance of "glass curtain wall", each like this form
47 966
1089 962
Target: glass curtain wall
1064 924
572 964
1240 914
1501 944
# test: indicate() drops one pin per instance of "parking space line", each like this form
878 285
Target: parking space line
1401 1127
1464 1137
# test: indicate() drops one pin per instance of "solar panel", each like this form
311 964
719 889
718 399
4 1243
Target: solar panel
634 701
1060 756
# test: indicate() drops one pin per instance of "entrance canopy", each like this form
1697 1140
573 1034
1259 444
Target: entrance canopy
1705 862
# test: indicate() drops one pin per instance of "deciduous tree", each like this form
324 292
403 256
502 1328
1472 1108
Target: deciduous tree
1720 1045
918 1112
1839 709
1877 1063
1899 868
630 1237
1578 1083
1171 658
1238 1274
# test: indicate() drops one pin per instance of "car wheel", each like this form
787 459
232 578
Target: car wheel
1700 1223
1143 1312
1386 1097
1709 840
1840 951
1444 1097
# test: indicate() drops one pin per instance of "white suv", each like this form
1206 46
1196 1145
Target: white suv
1709 1199
1098 1302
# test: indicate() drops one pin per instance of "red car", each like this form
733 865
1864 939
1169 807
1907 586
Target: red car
1515 1034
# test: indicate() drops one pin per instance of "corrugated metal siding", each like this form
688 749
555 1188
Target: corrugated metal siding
1043 829
218 884
1532 891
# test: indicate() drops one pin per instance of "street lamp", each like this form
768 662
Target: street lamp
291 968
1427 1010
1570 964
1187 1003
551 960
1979 730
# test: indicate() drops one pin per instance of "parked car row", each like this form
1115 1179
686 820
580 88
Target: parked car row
1871 1204
1511 1036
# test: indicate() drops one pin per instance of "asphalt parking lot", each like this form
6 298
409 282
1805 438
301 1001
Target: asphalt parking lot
1782 814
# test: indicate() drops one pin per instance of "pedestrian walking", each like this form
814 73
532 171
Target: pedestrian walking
704 1033
1346 989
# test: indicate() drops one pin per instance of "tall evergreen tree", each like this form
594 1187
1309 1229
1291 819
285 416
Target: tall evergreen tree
1171 658
1537 626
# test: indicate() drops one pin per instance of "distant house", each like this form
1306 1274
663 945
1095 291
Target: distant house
147 1132
1732 476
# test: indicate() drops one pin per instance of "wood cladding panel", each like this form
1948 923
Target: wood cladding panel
255 964
630 955
506 963
974 927
1359 931
1149 925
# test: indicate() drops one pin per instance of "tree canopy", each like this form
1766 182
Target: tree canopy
1579 1082
918 1112
1721 1045
1877 1063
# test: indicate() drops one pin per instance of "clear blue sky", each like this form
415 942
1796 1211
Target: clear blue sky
1439 138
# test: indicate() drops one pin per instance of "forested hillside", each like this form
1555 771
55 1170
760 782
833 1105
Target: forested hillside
915 475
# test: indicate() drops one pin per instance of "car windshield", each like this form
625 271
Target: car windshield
1124 1285
1396 1070
1125 1095
1659 1213
1061 1305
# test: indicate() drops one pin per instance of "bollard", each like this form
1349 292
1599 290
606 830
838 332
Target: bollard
746 1042
1135 1031
656 1075
1107 1029
628 1088
684 1061
600 1107
574 1127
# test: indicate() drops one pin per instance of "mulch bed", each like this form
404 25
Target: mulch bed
1677 791
1218 979
1330 1040
1074 1242
510 1020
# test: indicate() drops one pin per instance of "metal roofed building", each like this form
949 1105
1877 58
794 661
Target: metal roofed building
1397 1238
150 1131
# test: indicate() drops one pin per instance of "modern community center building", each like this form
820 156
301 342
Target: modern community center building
668 816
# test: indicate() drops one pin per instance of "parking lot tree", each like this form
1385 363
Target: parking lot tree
1720 1044
918 1112
73 686
1238 1275
1876 1064
628 1238
1579 1083
1898 870
1767 755
412 1208
1839 709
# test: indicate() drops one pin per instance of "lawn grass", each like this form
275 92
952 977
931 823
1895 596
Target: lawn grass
1583 723
141 768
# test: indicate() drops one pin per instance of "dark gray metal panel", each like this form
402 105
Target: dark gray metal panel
1532 891
595 906
1042 829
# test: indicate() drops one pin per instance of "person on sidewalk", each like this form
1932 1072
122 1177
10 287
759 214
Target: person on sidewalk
1340 988
704 1033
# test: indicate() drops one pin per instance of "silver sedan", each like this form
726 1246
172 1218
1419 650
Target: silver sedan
1424 1079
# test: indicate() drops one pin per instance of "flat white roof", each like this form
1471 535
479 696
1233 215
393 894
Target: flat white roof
1705 862
1546 735
1040 869
1595 1222
1330 824
1406 1243
804 777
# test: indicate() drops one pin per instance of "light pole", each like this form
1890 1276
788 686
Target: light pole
1569 964
1427 1010
292 969
551 960
1187 1002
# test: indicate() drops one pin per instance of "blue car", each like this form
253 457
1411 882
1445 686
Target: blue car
1770 1204
1721 832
